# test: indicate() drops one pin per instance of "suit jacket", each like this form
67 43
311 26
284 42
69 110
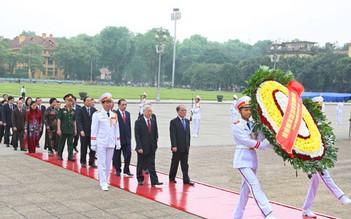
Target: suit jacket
84 120
124 129
42 109
180 138
7 114
19 118
145 140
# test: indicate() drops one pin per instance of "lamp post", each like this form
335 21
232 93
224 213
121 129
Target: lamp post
160 49
275 53
174 17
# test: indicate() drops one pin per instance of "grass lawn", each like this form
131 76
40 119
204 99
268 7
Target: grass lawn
59 90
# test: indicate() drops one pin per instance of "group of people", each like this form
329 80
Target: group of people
245 160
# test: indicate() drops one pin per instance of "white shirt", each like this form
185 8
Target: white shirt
196 110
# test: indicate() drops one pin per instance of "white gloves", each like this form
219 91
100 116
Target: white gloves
93 147
118 147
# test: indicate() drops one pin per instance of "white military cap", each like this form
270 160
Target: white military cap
145 94
198 97
318 100
236 97
104 97
244 101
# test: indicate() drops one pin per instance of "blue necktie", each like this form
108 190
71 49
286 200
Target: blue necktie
184 124
248 125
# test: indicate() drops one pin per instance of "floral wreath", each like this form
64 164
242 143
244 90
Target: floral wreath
313 148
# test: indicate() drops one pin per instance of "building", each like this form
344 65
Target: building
48 43
105 74
294 48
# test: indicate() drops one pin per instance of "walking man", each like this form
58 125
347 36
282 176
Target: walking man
125 133
84 118
104 138
7 110
18 121
180 145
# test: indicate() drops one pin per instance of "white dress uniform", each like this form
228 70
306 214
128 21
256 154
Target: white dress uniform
245 160
142 104
339 109
326 179
196 117
104 138
233 110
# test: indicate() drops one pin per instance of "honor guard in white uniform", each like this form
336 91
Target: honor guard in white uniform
142 103
233 109
326 179
245 160
339 109
105 138
196 116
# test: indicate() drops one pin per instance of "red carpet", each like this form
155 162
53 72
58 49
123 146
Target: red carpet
202 200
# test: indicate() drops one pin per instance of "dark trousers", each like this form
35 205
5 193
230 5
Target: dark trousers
127 154
75 141
2 129
150 164
23 94
18 136
84 145
7 134
183 158
51 139
69 138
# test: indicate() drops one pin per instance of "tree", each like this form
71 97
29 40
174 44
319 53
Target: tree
115 46
31 56
4 55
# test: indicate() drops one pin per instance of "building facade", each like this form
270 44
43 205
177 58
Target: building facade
48 43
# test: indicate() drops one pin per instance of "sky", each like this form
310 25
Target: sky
249 21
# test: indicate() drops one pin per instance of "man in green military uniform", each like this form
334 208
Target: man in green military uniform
66 127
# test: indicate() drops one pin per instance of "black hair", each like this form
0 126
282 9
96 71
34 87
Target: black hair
10 98
85 98
120 101
52 100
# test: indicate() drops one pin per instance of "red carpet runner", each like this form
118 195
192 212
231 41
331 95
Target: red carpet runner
202 200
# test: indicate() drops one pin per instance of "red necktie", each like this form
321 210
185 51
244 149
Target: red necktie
149 125
124 117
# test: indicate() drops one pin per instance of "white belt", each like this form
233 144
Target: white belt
242 147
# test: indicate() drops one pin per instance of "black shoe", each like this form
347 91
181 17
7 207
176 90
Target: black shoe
83 165
118 173
172 181
157 184
76 150
71 159
23 150
129 174
140 183
189 183
147 171
38 146
60 158
15 149
8 145
93 165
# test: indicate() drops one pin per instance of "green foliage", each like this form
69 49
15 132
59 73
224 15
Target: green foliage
263 74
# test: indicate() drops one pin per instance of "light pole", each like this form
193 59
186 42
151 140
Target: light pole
160 49
275 53
174 16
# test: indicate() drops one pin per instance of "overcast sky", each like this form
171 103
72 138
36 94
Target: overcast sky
220 20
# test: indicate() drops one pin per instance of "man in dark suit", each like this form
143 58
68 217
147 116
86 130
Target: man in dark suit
18 121
180 144
7 110
2 127
42 108
76 107
146 137
125 137
84 118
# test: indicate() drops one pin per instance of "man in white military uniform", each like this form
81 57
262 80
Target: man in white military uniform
326 179
104 138
233 109
245 160
196 116
142 103
339 109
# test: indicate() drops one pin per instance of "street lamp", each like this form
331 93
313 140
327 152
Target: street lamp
160 49
276 51
174 17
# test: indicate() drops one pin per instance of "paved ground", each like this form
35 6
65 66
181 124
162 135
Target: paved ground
30 188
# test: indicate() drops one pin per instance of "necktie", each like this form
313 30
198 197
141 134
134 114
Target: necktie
124 117
149 125
184 124
108 114
248 125
88 111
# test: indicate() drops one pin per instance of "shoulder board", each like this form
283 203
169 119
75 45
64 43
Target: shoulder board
236 122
